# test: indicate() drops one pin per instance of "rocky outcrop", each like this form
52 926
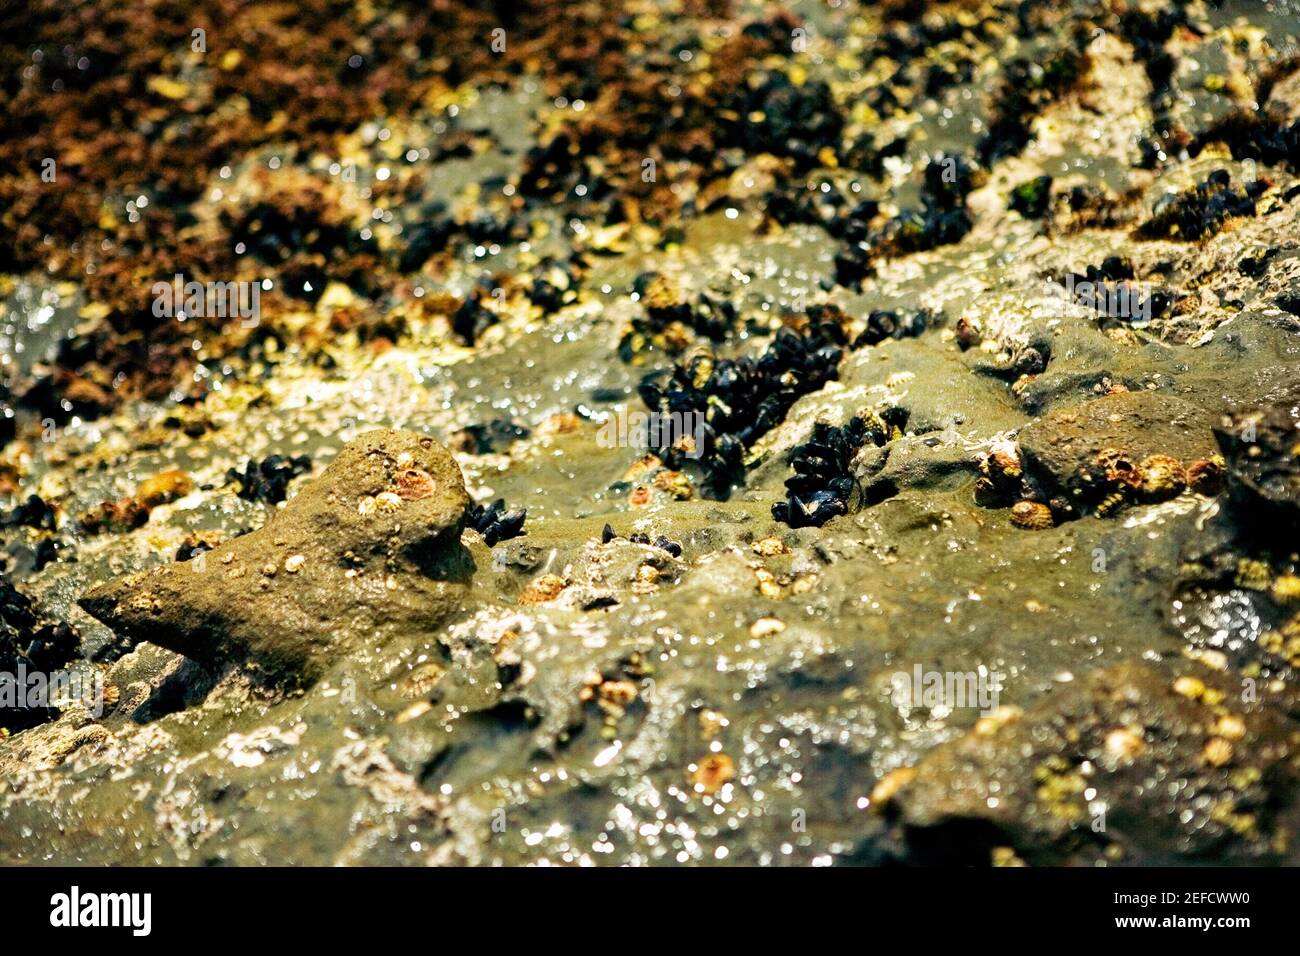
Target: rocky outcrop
371 546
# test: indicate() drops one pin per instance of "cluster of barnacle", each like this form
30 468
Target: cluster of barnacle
1202 210
35 644
646 479
671 319
1002 480
494 522
614 693
1002 476
739 400
1115 481
268 480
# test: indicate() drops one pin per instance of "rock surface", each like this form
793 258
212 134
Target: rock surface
1068 452
1262 448
370 547
1074 776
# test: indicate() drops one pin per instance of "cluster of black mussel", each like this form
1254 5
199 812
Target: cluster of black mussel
941 219
740 400
495 522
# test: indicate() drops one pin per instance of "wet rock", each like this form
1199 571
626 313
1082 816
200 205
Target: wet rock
1262 450
1089 452
350 561
1069 780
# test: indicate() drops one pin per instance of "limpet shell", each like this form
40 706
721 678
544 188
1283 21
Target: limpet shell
1031 515
1162 477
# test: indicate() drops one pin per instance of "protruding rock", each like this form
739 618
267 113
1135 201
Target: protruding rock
1089 452
1262 449
355 557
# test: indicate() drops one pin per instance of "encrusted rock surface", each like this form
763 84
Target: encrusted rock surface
1078 777
370 547
1069 452
918 217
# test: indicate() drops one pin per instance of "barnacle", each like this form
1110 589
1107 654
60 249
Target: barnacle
1031 515
1162 477
1205 475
